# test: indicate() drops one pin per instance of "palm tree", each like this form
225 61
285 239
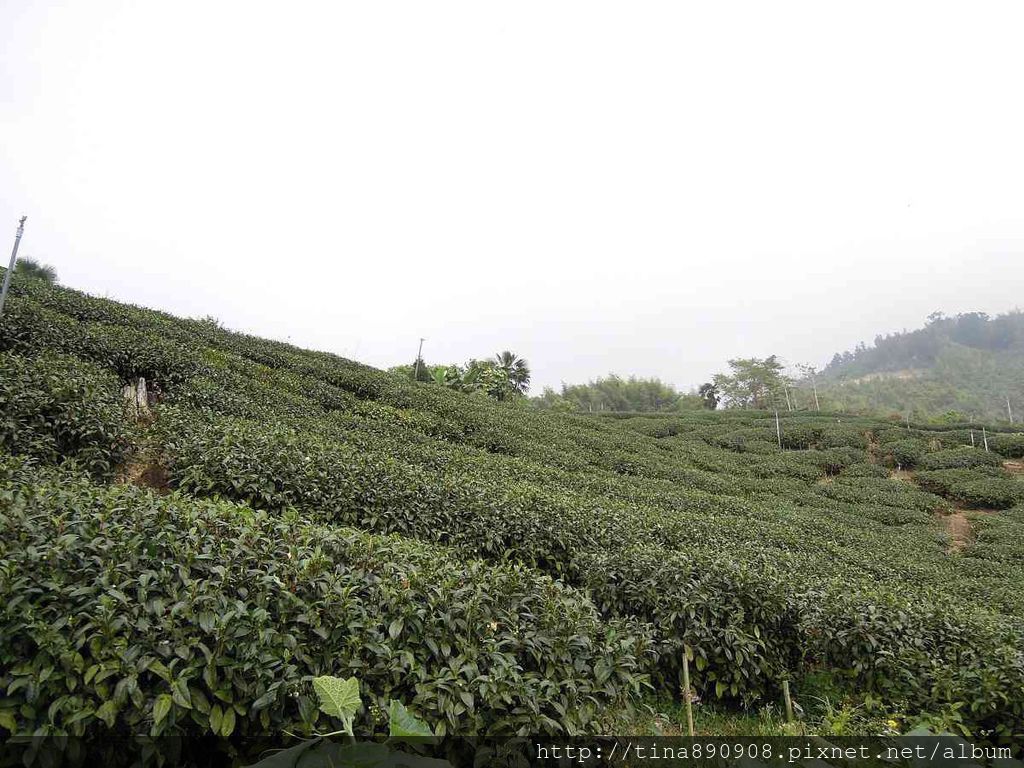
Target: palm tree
32 268
516 369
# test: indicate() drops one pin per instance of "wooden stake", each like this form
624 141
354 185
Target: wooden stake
789 701
687 694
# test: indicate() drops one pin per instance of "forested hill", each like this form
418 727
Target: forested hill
969 363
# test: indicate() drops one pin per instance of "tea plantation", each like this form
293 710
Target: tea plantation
282 514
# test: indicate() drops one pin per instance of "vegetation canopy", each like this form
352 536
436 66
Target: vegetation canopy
282 515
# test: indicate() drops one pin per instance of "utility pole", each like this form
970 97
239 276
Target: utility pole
10 267
1009 410
419 357
778 429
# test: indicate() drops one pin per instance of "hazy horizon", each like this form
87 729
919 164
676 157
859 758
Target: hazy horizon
645 191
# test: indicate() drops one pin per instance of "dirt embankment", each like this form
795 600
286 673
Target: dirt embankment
956 522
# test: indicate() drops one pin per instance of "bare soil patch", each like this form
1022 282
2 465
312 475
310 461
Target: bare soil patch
959 529
145 473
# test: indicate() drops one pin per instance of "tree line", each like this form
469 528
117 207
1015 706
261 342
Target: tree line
505 377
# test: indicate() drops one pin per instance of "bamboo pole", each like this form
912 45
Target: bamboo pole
789 701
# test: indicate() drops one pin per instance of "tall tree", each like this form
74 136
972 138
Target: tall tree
36 270
516 369
753 383
708 392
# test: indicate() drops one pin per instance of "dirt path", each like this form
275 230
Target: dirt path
956 522
959 529
1014 467
873 447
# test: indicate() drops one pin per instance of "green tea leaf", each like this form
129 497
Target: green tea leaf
8 721
216 717
162 708
108 713
227 723
404 723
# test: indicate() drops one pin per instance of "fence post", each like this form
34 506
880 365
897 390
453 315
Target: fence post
687 694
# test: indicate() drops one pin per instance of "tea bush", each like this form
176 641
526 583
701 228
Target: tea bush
1008 446
144 614
767 562
60 408
974 488
906 452
865 469
960 458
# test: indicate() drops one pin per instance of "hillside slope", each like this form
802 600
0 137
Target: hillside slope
499 570
969 364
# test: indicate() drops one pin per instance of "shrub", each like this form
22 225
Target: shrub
130 352
59 408
880 491
960 458
865 469
737 620
1008 446
800 436
637 510
127 613
980 487
843 437
906 453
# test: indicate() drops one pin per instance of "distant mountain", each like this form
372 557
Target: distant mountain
969 364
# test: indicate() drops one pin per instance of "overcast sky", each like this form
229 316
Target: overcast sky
646 188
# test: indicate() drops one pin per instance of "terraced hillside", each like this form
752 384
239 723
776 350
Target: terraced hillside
274 514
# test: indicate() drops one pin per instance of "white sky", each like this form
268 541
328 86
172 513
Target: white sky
645 188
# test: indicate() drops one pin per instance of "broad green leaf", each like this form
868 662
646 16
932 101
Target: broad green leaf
216 716
339 698
403 723
180 693
159 668
108 713
8 721
227 723
161 708
395 628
